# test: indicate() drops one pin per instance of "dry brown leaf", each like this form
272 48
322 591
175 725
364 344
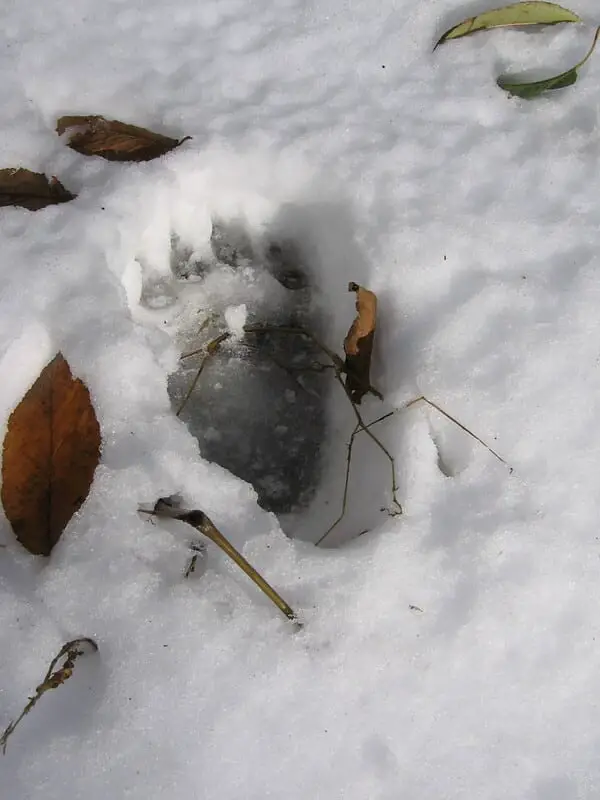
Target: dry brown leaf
116 141
32 190
51 450
358 344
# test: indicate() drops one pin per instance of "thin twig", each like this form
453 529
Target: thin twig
209 350
366 428
52 680
298 331
345 494
409 404
342 513
196 352
424 399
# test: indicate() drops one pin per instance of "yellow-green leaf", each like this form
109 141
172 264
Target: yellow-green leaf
532 89
535 12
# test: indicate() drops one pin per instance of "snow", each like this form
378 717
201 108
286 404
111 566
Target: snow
235 318
451 652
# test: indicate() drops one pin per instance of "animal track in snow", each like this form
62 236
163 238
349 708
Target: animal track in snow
259 407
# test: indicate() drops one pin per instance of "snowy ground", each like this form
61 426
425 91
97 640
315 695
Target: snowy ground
453 652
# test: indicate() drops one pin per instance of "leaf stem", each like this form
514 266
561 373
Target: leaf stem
201 522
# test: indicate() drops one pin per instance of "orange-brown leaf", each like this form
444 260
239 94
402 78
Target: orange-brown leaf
32 190
358 344
51 450
116 141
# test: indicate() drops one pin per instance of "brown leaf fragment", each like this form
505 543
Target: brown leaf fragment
358 344
51 450
116 141
32 190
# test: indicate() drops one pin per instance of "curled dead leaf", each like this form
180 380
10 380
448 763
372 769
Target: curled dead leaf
358 344
93 135
32 190
51 450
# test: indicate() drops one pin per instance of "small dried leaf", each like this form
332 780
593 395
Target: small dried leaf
51 450
32 190
116 141
358 344
534 12
532 89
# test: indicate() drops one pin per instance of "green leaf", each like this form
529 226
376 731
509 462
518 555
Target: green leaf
535 88
516 14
